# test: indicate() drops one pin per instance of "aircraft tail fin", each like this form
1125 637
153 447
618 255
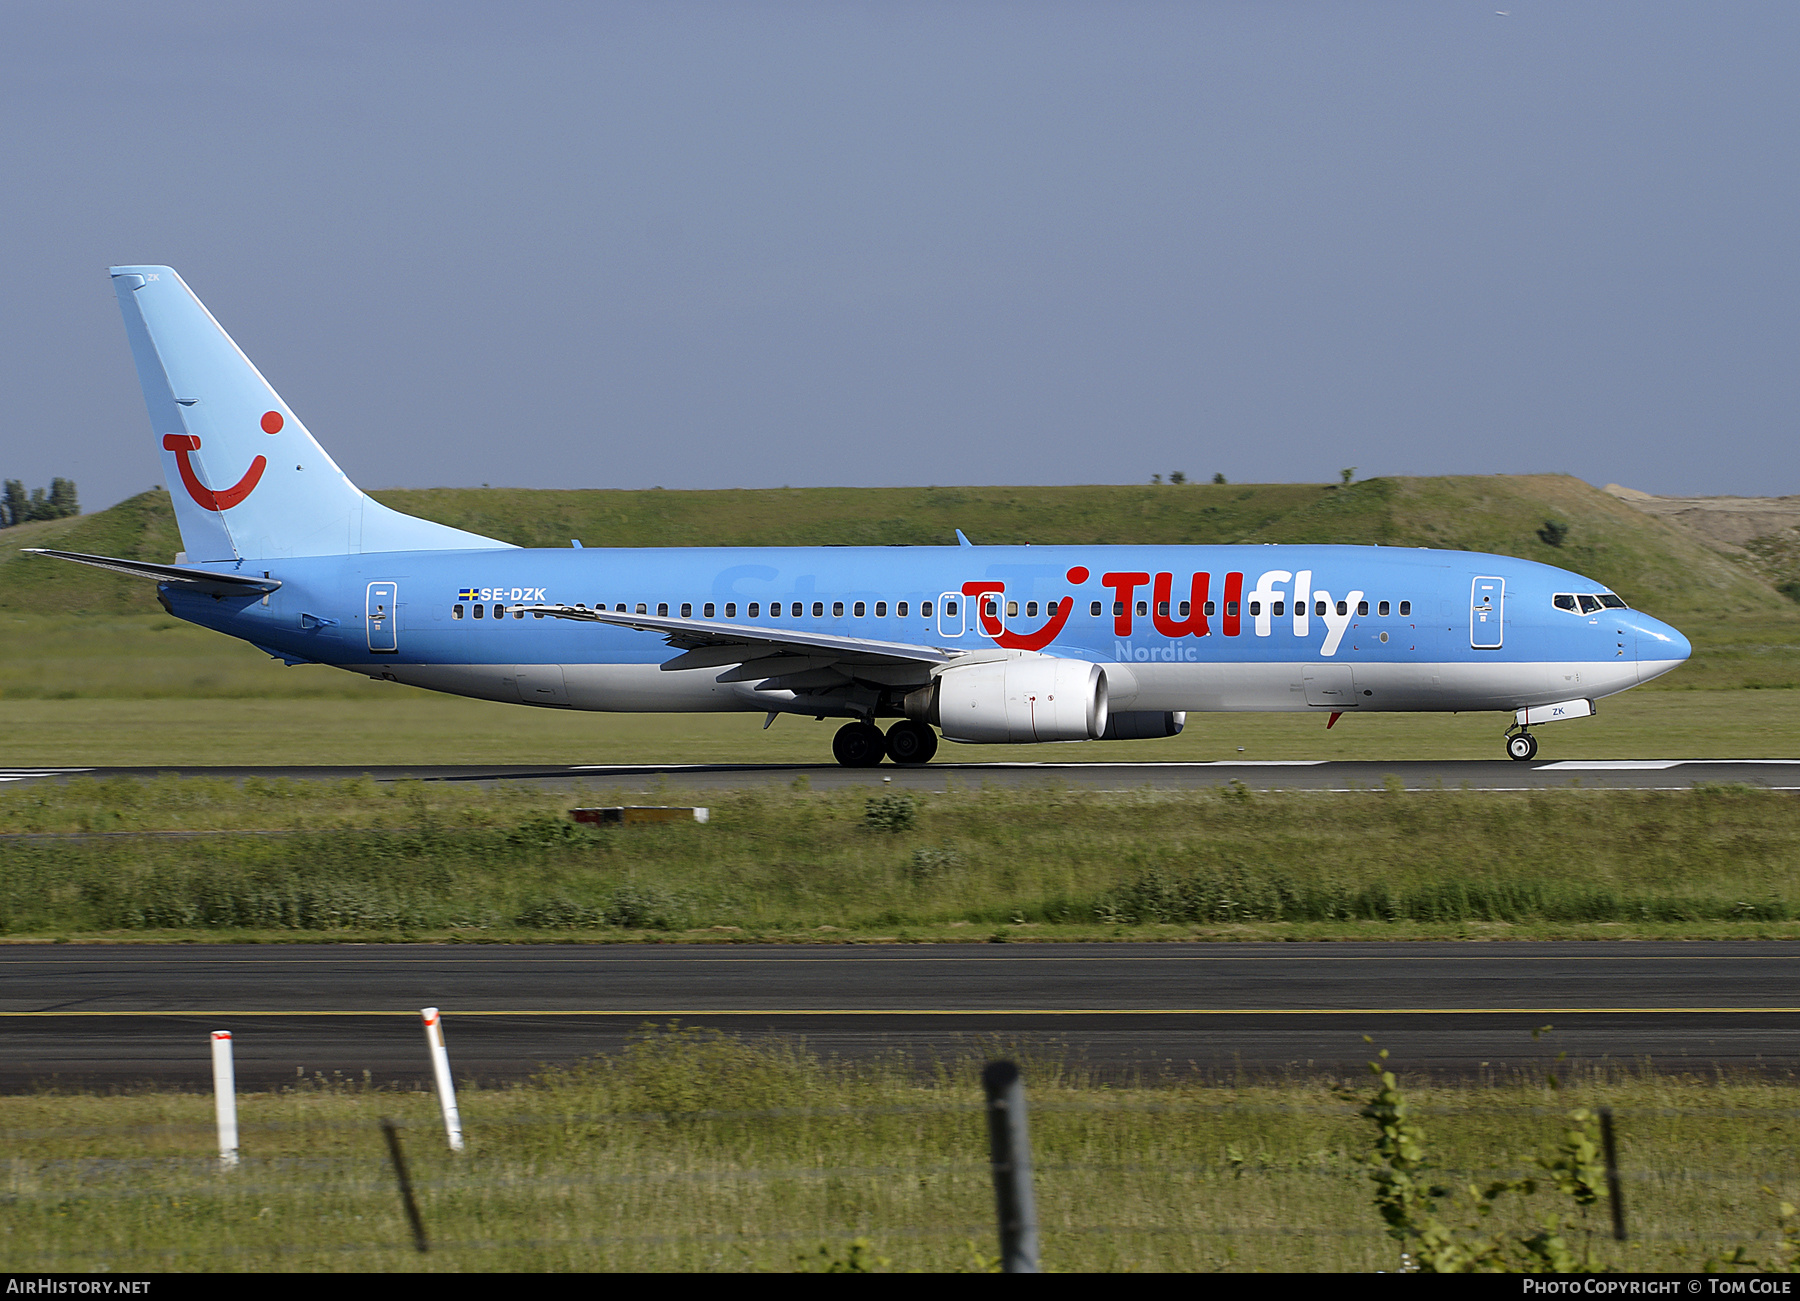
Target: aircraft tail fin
248 481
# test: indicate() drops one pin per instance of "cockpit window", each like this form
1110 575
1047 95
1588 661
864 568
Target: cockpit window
1563 601
1589 603
1611 602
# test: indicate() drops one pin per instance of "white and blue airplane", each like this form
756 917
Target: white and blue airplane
985 644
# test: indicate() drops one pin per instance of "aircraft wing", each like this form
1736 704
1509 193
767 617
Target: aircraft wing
204 580
775 658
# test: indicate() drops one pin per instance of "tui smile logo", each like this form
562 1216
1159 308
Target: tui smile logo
223 498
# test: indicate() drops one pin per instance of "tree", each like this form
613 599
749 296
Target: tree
1177 477
62 498
1218 478
1347 475
20 507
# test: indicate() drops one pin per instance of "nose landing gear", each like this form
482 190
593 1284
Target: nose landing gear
1521 745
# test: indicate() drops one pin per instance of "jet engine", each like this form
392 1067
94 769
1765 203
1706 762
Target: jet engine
1031 698
1143 726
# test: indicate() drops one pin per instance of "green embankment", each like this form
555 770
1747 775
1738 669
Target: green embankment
68 631
360 860
697 1152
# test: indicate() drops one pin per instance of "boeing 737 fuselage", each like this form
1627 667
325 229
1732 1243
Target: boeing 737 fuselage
985 644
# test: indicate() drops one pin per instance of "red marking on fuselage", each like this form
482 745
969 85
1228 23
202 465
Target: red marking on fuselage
224 499
1234 592
991 626
1124 587
1160 613
272 422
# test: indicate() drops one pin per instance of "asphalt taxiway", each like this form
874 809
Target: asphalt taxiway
125 1015
1272 774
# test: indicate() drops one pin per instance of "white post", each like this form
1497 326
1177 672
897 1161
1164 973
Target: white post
225 1098
440 1066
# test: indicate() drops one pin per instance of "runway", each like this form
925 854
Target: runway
1286 774
125 1015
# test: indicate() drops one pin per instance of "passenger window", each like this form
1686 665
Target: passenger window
1209 606
1143 608
499 611
456 612
900 610
1343 608
708 610
1405 608
859 609
662 609
687 609
837 609
481 612
731 609
1186 608
642 608
1382 609
537 614
924 610
989 609
1012 609
1362 609
1231 609
818 609
754 610
620 607
519 613
1094 609
1162 608
950 609
1589 603
1031 609
1255 608
1278 609
881 609
1118 608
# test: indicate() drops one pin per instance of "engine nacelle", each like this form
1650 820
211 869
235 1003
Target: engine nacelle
1032 698
1143 725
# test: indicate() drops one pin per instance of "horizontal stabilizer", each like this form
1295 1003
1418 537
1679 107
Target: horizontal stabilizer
200 580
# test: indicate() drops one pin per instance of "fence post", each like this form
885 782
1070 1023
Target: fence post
225 1098
1009 1149
1613 1194
420 1243
440 1066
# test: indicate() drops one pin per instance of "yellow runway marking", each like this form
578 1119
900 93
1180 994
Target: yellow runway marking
952 1011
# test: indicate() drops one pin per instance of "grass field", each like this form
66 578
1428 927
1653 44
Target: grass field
380 723
357 860
694 1152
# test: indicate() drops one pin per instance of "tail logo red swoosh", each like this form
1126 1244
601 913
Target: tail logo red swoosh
225 498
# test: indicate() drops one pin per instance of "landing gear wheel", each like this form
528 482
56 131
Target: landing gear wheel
1521 745
911 743
859 745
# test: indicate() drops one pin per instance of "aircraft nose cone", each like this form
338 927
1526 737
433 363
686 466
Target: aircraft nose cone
1659 648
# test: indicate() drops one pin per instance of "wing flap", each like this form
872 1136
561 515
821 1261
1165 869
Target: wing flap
696 635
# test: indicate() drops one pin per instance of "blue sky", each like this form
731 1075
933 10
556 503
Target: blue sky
700 246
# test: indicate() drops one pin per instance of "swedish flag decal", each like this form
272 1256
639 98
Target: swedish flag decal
467 594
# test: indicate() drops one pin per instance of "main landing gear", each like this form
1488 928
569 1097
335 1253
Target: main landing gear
861 745
1521 746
